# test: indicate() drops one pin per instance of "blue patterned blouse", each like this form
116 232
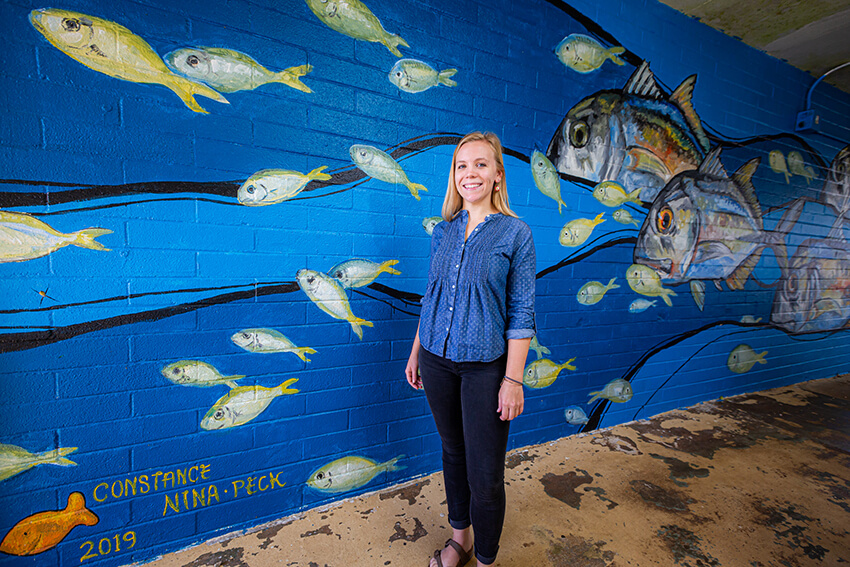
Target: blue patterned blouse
480 292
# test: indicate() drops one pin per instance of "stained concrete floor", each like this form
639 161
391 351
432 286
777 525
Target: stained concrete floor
751 481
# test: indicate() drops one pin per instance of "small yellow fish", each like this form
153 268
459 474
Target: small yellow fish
349 473
270 186
623 216
743 358
359 273
268 341
776 159
197 373
381 165
15 460
538 348
750 319
612 194
546 178
797 166
229 71
593 292
645 281
576 232
543 372
114 50
45 530
23 237
413 76
583 54
329 296
617 390
354 19
429 223
242 404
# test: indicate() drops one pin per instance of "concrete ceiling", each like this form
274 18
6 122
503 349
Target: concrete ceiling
812 35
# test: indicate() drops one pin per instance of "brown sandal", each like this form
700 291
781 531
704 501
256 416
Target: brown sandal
465 556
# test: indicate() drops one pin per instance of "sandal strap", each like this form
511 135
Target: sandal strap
463 554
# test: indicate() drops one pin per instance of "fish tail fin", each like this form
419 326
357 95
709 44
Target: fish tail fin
599 218
760 357
302 353
666 296
415 188
56 457
611 283
614 52
392 42
86 238
634 197
567 364
596 396
77 506
739 277
318 174
357 325
186 90
391 464
681 97
285 387
444 77
291 77
231 384
385 268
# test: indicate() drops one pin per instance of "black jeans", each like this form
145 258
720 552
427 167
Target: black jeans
464 397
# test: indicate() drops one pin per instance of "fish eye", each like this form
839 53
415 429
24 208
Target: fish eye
246 336
219 414
578 134
363 153
399 74
250 189
71 24
175 371
193 60
320 476
664 220
792 283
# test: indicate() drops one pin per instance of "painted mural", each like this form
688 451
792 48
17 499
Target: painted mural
229 310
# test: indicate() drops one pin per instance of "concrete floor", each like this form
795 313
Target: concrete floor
752 481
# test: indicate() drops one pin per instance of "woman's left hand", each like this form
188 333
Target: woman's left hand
511 400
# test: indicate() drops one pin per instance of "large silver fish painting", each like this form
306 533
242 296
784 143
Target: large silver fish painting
706 225
815 293
636 136
114 50
836 191
354 19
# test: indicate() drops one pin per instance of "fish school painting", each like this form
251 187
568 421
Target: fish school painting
215 228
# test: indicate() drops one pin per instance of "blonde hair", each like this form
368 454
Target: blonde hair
453 202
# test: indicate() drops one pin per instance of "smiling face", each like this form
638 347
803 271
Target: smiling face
476 172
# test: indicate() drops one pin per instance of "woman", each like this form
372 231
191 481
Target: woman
474 331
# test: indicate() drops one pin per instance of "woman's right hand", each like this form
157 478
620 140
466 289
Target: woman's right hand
412 370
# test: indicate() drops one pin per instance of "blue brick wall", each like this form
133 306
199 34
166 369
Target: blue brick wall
86 334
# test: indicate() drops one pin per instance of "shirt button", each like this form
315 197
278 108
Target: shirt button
457 265
453 287
451 308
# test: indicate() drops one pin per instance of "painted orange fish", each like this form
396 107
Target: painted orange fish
45 530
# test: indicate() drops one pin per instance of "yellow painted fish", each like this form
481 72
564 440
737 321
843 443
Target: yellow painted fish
15 460
354 19
623 216
797 166
270 186
776 159
583 54
546 178
750 319
618 391
329 296
197 373
643 280
593 292
45 530
349 473
542 373
229 71
114 50
269 341
611 194
576 232
638 136
358 273
743 358
380 165
242 404
429 223
538 348
23 237
414 76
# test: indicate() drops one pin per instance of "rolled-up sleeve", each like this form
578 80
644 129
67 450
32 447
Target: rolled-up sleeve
521 284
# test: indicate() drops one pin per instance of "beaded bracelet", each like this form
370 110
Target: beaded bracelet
509 379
